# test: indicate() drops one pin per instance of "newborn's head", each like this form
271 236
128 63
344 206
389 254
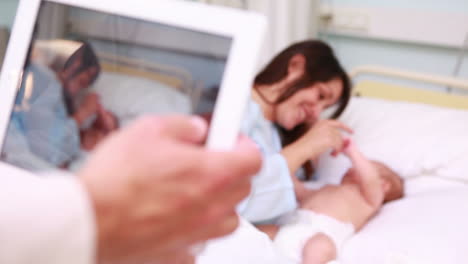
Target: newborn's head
392 183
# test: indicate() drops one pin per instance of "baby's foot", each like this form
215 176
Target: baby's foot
319 249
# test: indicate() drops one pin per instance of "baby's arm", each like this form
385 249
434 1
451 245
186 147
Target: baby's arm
367 175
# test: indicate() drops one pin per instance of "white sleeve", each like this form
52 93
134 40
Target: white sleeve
272 192
45 220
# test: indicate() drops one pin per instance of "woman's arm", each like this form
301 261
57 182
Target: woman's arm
324 135
295 155
272 192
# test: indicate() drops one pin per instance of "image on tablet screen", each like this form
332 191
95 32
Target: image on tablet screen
90 73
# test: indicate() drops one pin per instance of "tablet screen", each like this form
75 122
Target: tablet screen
89 73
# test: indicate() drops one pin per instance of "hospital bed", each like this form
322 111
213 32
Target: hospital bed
131 87
423 135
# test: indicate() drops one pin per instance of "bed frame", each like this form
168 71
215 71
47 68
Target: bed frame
169 75
390 91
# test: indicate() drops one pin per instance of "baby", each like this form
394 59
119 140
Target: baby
105 123
330 215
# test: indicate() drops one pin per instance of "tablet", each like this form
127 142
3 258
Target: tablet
77 70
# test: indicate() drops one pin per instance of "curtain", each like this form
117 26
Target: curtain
3 44
289 21
55 24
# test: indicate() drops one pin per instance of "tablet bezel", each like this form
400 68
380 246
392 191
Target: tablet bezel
246 29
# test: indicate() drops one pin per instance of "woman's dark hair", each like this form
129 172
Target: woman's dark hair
88 59
321 66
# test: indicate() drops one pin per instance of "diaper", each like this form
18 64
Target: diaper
297 227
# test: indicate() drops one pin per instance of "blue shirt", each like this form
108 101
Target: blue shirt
272 188
40 115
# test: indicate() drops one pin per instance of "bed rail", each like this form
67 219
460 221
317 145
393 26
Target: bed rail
409 75
156 71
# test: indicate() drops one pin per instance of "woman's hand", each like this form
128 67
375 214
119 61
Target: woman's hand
89 107
90 138
325 135
156 191
106 120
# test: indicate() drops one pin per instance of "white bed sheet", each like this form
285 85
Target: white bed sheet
428 226
428 146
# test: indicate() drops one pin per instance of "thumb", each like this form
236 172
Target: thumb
192 129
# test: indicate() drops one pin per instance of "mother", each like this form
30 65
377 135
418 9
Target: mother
288 97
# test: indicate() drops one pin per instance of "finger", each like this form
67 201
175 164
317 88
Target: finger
183 257
179 256
341 126
343 148
245 147
228 198
243 161
191 129
338 145
209 208
199 229
214 230
354 154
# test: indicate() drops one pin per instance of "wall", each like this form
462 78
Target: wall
288 21
354 50
7 12
427 5
203 55
208 70
7 15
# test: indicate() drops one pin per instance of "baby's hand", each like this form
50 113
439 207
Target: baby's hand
350 149
366 174
362 166
106 120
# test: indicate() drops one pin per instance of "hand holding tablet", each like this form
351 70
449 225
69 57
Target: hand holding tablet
138 59
150 183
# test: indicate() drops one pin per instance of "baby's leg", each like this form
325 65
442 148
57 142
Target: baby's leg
319 249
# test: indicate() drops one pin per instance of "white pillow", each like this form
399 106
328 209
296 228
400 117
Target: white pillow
413 139
128 96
